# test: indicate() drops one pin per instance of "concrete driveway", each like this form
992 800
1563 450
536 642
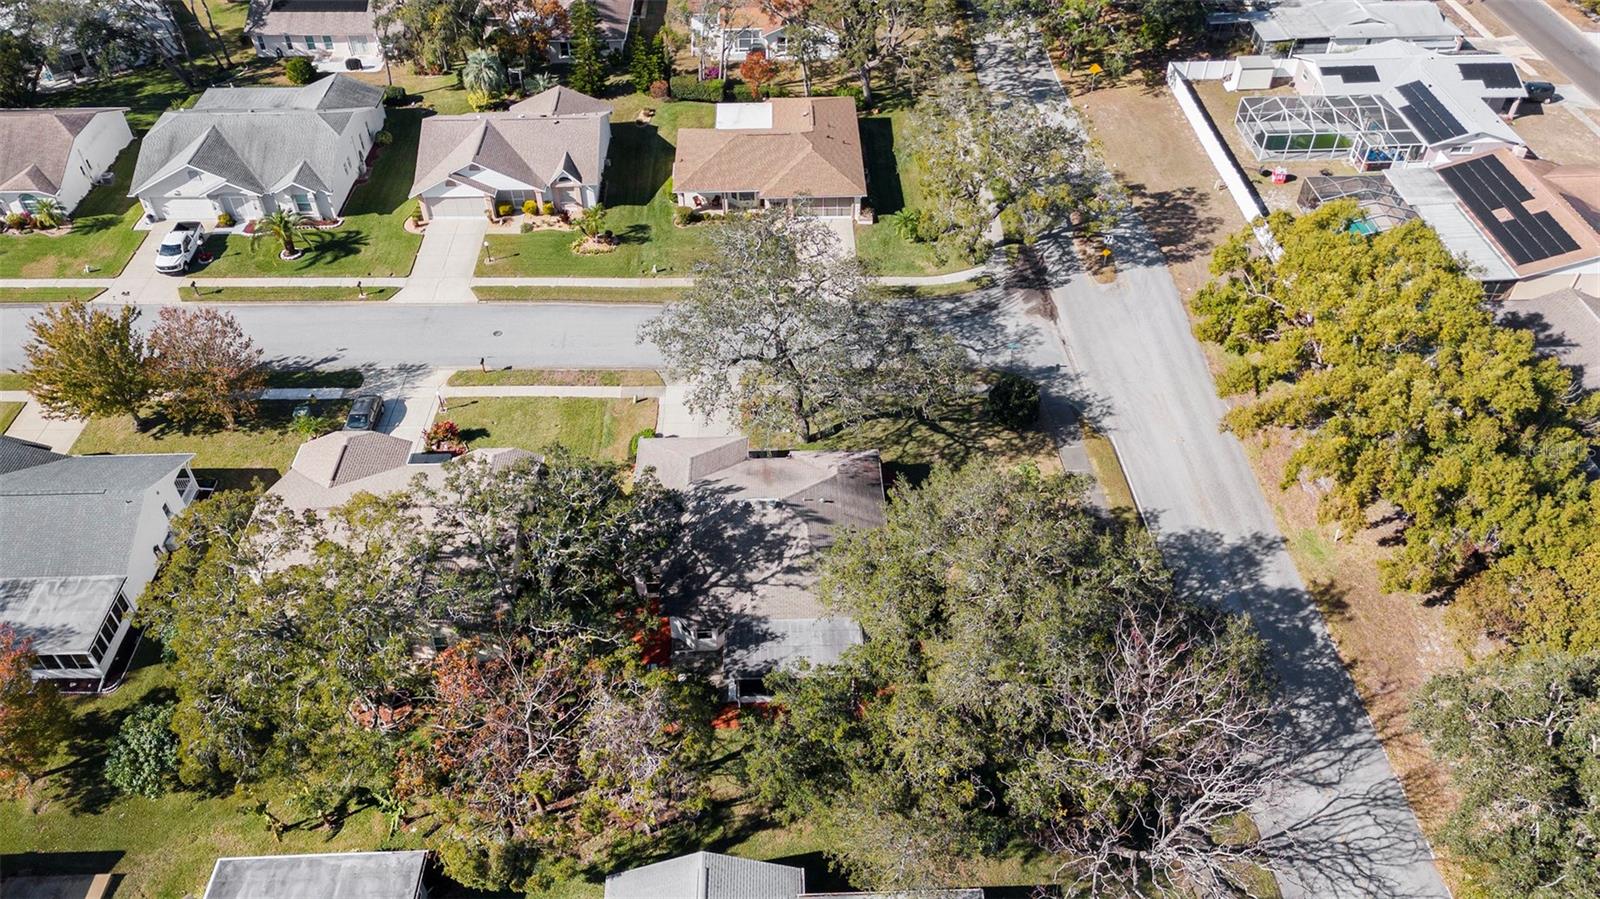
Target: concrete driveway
444 266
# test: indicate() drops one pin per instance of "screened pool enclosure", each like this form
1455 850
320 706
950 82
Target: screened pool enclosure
1364 129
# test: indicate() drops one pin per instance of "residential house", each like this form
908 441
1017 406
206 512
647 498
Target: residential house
712 875
249 151
1565 323
338 35
1385 105
739 593
1333 26
151 20
617 20
57 154
803 151
751 26
549 148
83 536
330 875
1512 219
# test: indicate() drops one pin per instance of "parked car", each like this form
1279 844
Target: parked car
1540 91
365 413
179 247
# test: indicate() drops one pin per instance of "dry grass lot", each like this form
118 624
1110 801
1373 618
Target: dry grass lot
1222 106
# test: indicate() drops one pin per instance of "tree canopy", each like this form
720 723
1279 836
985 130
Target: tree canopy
1029 676
33 717
84 361
1405 395
588 48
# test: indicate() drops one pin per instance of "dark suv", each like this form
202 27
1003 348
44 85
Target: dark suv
365 413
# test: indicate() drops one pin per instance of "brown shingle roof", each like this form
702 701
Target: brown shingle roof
812 149
36 143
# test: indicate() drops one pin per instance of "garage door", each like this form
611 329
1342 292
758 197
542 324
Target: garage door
199 209
456 207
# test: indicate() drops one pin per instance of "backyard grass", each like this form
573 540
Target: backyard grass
261 447
580 294
638 198
8 414
147 92
286 295
26 295
893 173
556 377
371 243
102 235
441 93
595 428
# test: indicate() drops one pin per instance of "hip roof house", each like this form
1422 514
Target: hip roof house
249 151
803 151
83 536
1318 26
338 35
57 154
549 148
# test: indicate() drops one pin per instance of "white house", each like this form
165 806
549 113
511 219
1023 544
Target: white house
158 35
616 21
324 875
750 27
57 153
83 536
338 35
1332 26
249 151
549 148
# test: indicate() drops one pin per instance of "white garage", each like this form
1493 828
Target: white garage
454 207
197 208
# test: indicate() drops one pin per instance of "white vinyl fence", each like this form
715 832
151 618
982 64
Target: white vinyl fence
1239 187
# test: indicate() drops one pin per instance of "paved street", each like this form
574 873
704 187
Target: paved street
1145 379
1556 39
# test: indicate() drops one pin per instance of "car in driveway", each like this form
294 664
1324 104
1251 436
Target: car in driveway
366 411
179 247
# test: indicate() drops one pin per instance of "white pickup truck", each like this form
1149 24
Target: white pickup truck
179 247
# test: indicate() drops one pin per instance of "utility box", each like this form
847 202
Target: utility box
1251 73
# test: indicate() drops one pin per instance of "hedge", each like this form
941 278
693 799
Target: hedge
688 87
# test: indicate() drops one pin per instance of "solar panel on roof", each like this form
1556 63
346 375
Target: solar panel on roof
1491 74
1423 110
1495 198
1353 74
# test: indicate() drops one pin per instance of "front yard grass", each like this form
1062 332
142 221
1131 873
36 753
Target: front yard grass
595 428
372 241
24 295
557 377
638 199
893 175
8 414
102 235
347 378
287 295
261 447
513 294
10 380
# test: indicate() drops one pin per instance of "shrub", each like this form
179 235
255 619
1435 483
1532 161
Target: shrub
225 221
851 90
1014 401
299 70
712 72
549 208
442 435
633 442
687 87
684 215
479 100
530 207
383 138
416 214
395 95
742 94
144 754
504 209
19 221
312 426
527 228
659 90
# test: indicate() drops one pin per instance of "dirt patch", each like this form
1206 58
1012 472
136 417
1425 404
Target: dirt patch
1148 143
1482 13
1554 132
1570 11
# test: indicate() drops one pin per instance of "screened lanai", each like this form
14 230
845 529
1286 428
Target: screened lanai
1363 128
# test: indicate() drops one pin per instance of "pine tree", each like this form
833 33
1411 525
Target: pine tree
643 61
588 65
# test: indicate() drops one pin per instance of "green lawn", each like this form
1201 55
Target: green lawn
595 428
147 92
315 377
372 242
261 447
102 234
932 291
892 172
498 294
286 294
556 377
8 414
49 294
638 198
10 380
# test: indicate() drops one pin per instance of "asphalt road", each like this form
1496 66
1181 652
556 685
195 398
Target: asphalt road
1556 40
1339 821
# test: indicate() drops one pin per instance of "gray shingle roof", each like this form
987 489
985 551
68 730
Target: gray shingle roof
707 875
260 139
16 455
75 517
1566 324
300 17
35 145
341 875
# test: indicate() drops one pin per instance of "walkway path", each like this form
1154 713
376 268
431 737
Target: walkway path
31 424
1353 831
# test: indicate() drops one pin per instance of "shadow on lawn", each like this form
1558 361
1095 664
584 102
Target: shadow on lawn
883 170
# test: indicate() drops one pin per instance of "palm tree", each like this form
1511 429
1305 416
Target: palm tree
47 213
483 72
539 82
281 226
592 222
